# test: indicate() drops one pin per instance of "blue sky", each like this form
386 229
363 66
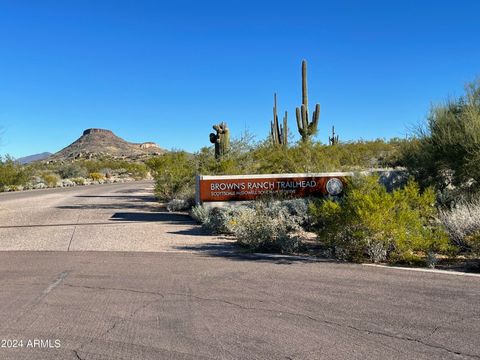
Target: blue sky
167 71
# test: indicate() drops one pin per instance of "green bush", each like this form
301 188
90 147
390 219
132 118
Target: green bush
79 181
174 173
447 152
12 174
96 176
137 170
50 179
372 224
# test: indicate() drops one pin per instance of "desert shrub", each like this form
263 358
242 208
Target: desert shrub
174 174
248 157
179 204
71 170
13 188
317 157
199 213
137 170
298 208
220 220
473 241
463 225
372 224
446 152
50 179
96 176
12 173
267 227
79 181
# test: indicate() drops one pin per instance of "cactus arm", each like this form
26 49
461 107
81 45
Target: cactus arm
304 118
316 115
285 129
299 119
272 132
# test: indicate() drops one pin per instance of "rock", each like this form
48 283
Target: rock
40 185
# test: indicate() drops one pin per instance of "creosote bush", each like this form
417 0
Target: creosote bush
372 224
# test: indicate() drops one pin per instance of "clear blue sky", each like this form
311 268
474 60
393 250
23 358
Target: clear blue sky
166 71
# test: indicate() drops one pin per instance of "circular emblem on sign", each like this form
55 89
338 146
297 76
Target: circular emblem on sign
334 186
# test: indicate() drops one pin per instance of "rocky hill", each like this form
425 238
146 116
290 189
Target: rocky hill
31 158
101 143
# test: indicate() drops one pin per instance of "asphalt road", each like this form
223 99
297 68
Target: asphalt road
117 217
203 302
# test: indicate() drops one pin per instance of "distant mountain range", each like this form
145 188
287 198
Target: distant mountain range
98 143
31 158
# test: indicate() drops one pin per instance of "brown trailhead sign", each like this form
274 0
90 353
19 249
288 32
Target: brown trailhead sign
251 187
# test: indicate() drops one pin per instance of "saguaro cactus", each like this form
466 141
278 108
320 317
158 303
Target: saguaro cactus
278 132
221 139
332 140
306 128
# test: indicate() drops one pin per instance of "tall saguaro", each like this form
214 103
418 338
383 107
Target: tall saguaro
221 139
306 128
278 132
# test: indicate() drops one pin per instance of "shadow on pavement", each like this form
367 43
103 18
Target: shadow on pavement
196 231
136 198
153 216
236 253
140 202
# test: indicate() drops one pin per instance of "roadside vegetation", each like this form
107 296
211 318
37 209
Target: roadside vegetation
432 217
175 171
39 175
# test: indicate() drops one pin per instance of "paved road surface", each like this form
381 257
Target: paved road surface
118 217
207 304
103 305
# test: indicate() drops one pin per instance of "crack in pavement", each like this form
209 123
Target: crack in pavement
332 323
28 309
113 326
328 322
73 232
75 352
115 289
